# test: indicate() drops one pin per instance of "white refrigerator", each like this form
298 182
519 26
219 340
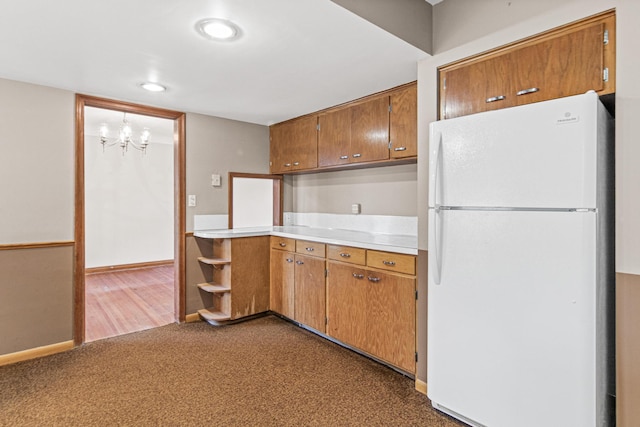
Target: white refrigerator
521 274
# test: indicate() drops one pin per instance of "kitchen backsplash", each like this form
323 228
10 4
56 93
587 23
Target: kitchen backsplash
382 224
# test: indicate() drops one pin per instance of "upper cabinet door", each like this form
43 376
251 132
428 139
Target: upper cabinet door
334 137
566 65
304 138
403 124
370 130
479 86
278 149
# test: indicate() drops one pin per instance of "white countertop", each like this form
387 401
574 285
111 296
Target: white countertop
404 244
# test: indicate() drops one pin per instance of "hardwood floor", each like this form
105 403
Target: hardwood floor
127 301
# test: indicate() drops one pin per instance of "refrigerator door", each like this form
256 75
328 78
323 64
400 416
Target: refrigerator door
511 324
541 155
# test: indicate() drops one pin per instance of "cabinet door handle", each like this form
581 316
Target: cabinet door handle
287 165
282 244
527 91
373 279
344 157
389 263
357 155
345 255
299 262
400 149
309 249
358 276
495 98
289 260
296 163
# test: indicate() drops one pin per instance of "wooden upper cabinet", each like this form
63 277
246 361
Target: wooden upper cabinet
348 135
403 122
279 140
566 65
567 61
294 145
480 86
370 130
334 137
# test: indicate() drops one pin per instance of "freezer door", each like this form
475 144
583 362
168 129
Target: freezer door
540 155
511 324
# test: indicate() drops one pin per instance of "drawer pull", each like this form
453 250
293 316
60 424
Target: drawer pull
400 149
282 244
389 263
495 98
299 262
373 279
287 165
296 163
289 260
309 249
358 276
357 155
527 91
345 255
344 157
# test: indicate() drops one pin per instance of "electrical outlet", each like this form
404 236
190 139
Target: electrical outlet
192 200
355 208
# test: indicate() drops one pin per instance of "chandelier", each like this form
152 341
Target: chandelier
124 139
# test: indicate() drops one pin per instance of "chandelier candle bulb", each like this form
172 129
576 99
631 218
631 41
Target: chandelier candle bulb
125 139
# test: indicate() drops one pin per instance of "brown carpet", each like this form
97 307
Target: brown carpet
263 372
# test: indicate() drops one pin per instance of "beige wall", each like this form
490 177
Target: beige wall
468 27
36 297
36 164
220 146
389 190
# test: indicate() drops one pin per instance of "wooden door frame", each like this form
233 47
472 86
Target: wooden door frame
179 162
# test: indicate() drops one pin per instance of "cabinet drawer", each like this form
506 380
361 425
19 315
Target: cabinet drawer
283 243
391 261
347 254
310 248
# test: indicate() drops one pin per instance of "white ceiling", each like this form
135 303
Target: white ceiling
295 56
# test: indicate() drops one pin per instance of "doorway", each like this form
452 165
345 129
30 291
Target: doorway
129 220
176 264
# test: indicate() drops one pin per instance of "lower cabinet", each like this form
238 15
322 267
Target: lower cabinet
363 298
373 311
309 292
298 281
236 273
282 282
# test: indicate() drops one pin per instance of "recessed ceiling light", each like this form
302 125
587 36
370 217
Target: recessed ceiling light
153 87
218 29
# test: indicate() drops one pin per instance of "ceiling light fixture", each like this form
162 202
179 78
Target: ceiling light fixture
153 87
218 29
124 138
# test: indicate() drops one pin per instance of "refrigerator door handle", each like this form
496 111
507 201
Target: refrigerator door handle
437 240
437 195
437 176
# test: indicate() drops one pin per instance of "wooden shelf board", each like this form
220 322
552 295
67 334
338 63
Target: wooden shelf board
214 288
210 314
214 261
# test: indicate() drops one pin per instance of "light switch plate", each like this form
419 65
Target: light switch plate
215 180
